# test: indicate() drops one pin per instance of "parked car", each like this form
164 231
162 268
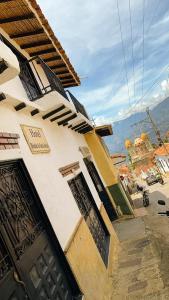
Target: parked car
151 179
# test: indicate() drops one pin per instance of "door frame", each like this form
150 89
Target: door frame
98 213
48 227
86 161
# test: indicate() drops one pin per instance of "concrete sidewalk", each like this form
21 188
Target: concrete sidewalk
138 272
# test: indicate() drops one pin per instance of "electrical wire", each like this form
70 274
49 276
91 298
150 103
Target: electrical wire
133 58
123 50
153 16
142 87
156 82
132 48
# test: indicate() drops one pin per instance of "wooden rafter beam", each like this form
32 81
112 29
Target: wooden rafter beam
27 33
68 119
40 52
17 18
55 111
79 125
36 44
85 130
2 96
66 77
67 85
34 112
57 66
67 81
62 72
4 1
56 57
20 106
61 116
82 127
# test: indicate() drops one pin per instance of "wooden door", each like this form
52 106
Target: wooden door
32 266
101 189
92 216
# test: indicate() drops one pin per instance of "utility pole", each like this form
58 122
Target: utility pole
156 129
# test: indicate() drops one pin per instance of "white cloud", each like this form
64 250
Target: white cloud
102 120
165 85
86 28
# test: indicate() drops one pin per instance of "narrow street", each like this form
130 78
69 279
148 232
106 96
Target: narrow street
143 262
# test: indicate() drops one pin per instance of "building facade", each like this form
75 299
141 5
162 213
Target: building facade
115 190
141 154
56 235
162 158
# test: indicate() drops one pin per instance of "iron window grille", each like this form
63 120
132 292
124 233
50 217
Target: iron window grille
91 214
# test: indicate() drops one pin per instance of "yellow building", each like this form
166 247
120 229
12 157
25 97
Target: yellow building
104 163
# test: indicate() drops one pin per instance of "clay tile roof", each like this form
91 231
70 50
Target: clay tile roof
118 155
25 23
161 151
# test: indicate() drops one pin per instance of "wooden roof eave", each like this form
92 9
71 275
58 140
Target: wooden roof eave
54 40
46 41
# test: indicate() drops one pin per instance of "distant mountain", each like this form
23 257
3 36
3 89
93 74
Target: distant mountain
123 129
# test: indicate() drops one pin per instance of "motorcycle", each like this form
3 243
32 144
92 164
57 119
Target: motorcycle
160 179
146 200
145 194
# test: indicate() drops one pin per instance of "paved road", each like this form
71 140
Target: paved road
158 192
143 265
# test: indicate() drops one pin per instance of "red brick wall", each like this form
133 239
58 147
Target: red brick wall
8 140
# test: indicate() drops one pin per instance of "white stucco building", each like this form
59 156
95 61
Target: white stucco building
162 158
49 204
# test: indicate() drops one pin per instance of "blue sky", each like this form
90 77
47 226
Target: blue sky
89 31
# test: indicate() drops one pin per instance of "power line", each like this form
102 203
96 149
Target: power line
149 27
156 130
142 88
132 47
123 50
152 19
146 32
149 89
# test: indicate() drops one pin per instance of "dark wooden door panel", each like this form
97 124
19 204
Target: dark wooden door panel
100 189
10 289
30 267
42 271
91 214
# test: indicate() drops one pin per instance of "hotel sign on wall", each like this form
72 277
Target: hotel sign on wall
36 139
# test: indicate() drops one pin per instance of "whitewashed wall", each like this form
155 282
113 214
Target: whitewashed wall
52 188
163 163
64 143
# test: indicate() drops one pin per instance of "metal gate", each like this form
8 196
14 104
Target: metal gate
100 189
32 265
91 214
